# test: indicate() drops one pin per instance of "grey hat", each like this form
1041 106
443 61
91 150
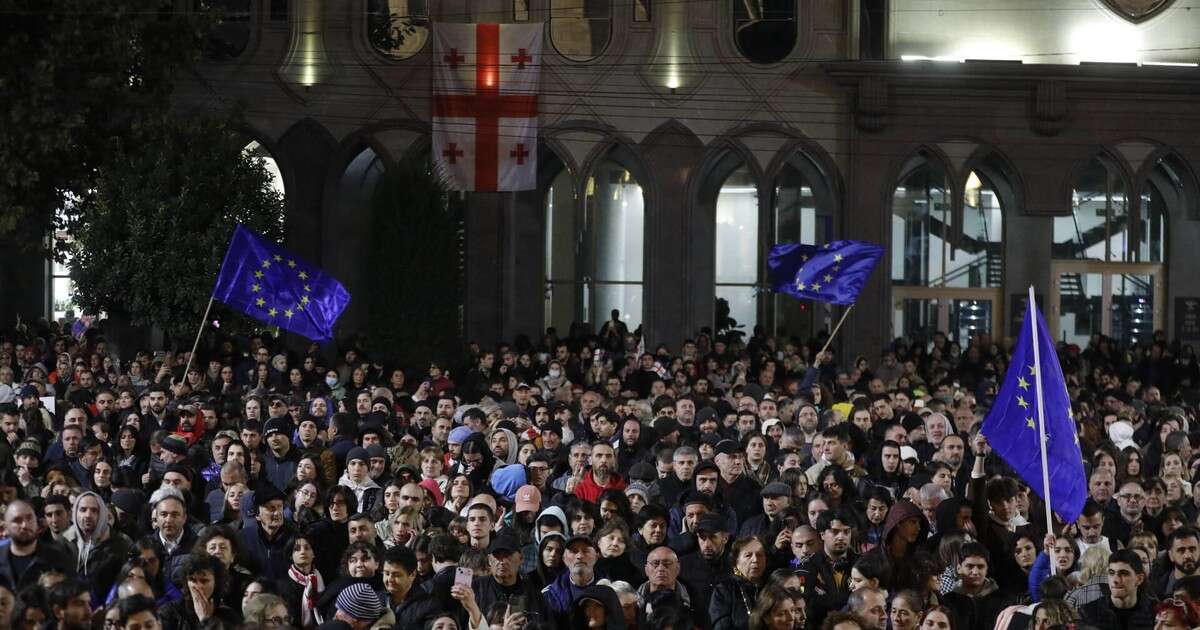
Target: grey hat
360 601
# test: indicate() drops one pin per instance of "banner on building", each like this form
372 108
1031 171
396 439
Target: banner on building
485 105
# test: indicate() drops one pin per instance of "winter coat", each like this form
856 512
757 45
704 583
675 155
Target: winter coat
977 611
732 601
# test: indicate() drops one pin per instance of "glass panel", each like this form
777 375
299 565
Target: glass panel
920 227
800 318
1080 299
737 229
743 305
1096 229
765 30
398 28
617 222
1132 307
1153 231
564 265
626 298
641 10
63 292
919 319
978 260
580 29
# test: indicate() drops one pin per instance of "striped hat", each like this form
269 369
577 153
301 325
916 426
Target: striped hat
360 601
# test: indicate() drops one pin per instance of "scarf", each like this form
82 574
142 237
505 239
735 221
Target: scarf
313 585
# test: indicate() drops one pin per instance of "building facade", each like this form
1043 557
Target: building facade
989 145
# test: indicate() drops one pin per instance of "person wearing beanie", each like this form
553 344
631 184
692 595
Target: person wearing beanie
358 478
279 462
358 606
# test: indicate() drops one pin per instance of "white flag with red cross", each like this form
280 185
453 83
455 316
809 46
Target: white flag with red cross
485 104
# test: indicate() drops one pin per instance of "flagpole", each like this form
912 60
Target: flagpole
199 333
1031 315
835 330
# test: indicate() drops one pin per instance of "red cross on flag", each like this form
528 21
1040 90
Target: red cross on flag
485 112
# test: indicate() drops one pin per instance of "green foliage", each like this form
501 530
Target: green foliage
78 77
149 238
413 262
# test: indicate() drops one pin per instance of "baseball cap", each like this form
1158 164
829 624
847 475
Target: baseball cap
504 542
529 499
266 493
907 452
727 447
578 538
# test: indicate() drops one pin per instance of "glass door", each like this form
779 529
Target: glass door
1121 301
919 312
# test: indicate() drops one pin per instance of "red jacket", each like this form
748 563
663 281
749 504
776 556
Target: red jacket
589 490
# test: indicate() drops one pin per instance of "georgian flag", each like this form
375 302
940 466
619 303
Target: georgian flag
485 110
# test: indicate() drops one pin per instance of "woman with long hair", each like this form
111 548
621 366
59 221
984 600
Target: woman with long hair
304 584
775 609
131 454
549 560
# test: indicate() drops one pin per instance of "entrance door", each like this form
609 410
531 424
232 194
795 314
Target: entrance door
1123 301
919 312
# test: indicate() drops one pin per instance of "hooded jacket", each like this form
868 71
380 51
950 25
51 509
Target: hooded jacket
904 575
507 480
97 559
513 446
554 512
614 616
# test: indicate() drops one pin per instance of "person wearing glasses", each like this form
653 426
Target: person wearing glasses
662 586
1131 504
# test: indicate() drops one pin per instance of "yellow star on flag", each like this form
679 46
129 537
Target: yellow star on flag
272 312
288 313
258 274
307 288
804 258
816 286
837 258
266 264
278 258
292 264
1022 383
260 302
1029 422
299 307
304 275
1032 370
255 288
828 278
304 299
800 286
1022 402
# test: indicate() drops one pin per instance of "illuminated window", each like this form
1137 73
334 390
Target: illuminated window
1101 226
736 264
398 28
580 29
765 30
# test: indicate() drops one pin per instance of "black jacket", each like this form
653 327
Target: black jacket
701 577
977 612
831 583
48 557
268 557
731 603
1100 613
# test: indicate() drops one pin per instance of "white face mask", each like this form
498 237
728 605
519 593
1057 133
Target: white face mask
331 381
555 373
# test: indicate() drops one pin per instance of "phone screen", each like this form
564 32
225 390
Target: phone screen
516 603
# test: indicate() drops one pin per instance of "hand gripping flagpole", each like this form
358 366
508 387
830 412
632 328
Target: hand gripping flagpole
1031 315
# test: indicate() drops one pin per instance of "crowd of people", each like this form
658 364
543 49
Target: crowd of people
581 482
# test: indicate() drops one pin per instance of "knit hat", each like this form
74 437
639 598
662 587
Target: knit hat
358 452
266 493
638 487
277 425
360 601
175 444
128 501
375 450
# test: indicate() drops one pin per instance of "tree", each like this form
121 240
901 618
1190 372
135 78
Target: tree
148 239
78 76
414 257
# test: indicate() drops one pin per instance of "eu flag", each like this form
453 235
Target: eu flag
834 272
1011 426
275 286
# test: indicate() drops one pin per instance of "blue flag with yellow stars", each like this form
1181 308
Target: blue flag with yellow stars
275 286
834 272
1011 426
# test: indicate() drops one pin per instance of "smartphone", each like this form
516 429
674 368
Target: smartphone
463 575
516 604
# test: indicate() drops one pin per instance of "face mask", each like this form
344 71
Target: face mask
555 373
331 381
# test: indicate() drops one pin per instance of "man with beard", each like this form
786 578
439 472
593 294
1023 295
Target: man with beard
951 453
830 567
279 464
602 476
27 557
71 605
701 570
579 559
1183 551
98 549
630 449
157 418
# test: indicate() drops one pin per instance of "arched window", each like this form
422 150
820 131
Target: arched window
736 265
764 30
398 28
258 151
1108 273
580 29
594 252
230 33
947 264
802 211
